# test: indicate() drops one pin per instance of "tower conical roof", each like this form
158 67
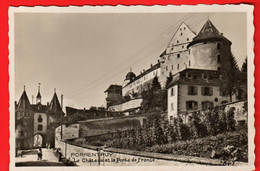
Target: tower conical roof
24 103
207 33
55 106
38 95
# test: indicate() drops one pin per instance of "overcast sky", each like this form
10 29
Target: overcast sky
82 54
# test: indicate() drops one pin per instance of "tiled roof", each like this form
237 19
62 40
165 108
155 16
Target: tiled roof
113 86
181 77
208 32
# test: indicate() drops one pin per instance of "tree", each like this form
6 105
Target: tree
244 66
156 86
169 79
230 77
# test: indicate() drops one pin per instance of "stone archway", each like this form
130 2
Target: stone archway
38 140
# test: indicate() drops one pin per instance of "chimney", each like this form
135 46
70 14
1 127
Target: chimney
151 65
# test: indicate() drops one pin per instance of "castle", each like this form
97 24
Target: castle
195 61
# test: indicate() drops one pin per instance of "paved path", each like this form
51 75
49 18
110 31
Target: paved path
30 159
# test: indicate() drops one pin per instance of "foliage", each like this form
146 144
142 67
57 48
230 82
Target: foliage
230 77
154 99
203 147
169 79
244 66
231 123
156 86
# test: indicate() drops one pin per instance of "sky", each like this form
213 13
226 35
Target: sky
81 54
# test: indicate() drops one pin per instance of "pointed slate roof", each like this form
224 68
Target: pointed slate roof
208 33
38 95
54 106
24 103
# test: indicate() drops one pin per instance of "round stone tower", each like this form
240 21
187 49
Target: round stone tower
209 50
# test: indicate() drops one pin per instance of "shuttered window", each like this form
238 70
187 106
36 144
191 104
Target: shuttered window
191 105
192 90
207 91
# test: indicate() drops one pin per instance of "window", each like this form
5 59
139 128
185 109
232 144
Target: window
172 92
182 47
172 67
188 39
39 118
192 90
172 107
219 59
218 45
178 66
205 76
169 58
206 105
188 75
39 127
177 41
166 68
189 63
180 29
191 105
178 55
207 91
181 34
184 28
22 133
171 117
219 68
172 48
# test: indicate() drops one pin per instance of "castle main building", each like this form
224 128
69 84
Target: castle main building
196 62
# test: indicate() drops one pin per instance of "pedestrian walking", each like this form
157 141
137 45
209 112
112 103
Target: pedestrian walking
40 154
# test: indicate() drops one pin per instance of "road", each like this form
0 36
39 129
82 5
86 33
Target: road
30 159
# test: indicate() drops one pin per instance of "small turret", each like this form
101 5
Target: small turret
38 97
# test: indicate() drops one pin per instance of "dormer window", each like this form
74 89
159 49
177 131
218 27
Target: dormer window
205 76
188 75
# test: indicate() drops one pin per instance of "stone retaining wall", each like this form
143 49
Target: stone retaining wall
97 156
